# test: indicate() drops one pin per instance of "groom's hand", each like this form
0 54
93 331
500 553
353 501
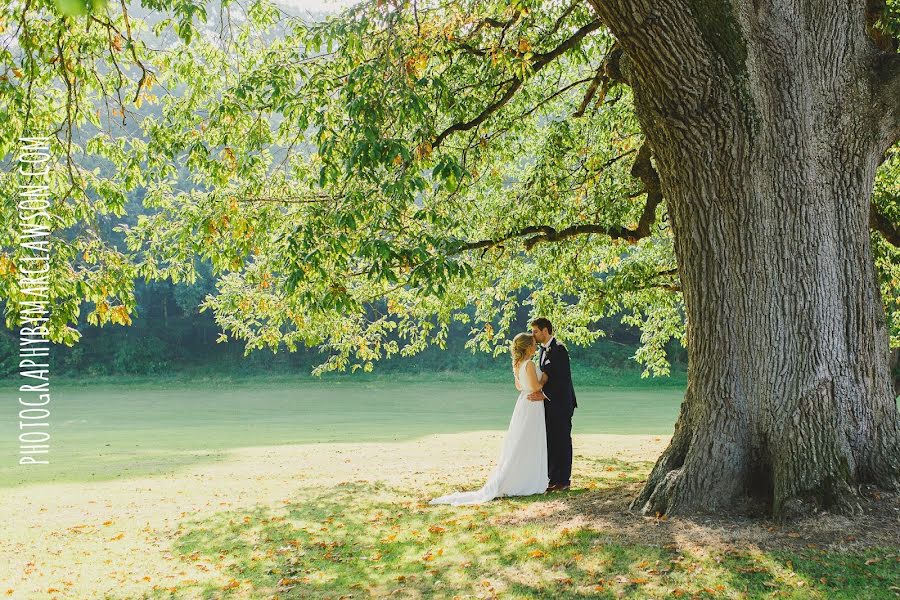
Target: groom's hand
536 396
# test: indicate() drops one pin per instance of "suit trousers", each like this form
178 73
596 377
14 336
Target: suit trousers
559 446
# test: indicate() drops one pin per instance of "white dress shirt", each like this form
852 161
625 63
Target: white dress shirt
546 346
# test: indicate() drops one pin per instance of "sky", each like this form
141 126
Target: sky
313 6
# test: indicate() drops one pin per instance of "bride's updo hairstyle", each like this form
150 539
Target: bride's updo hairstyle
519 347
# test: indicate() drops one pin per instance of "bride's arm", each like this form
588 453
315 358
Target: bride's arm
544 378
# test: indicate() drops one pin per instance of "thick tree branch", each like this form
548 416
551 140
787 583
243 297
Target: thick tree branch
608 73
599 78
880 223
539 62
642 169
887 95
542 60
482 117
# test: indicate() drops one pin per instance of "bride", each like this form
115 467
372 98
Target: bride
522 469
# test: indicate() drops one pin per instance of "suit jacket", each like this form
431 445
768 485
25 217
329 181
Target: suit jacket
558 390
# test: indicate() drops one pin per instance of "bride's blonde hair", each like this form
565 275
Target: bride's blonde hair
519 347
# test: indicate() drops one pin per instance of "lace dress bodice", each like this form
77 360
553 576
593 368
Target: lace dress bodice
523 379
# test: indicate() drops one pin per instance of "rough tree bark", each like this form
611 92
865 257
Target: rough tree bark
767 119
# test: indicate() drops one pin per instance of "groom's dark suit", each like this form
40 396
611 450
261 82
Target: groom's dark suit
558 409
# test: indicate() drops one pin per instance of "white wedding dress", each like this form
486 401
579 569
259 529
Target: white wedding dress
522 468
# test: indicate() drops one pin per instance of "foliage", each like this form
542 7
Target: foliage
181 343
886 197
358 183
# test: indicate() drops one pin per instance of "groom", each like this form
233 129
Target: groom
559 397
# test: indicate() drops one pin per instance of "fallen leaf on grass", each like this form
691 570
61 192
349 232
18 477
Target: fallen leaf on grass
750 569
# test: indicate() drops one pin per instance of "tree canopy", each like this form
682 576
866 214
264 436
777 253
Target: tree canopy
357 181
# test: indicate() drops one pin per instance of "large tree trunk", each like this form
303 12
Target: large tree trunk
766 124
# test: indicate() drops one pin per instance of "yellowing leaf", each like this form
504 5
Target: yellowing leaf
424 150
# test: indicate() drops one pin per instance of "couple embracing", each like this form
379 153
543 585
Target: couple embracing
537 449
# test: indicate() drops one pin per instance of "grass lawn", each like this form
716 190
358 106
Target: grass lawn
123 427
294 487
370 540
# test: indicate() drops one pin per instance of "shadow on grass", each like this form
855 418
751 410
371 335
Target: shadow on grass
363 539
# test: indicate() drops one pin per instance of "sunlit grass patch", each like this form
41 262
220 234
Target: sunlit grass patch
370 540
